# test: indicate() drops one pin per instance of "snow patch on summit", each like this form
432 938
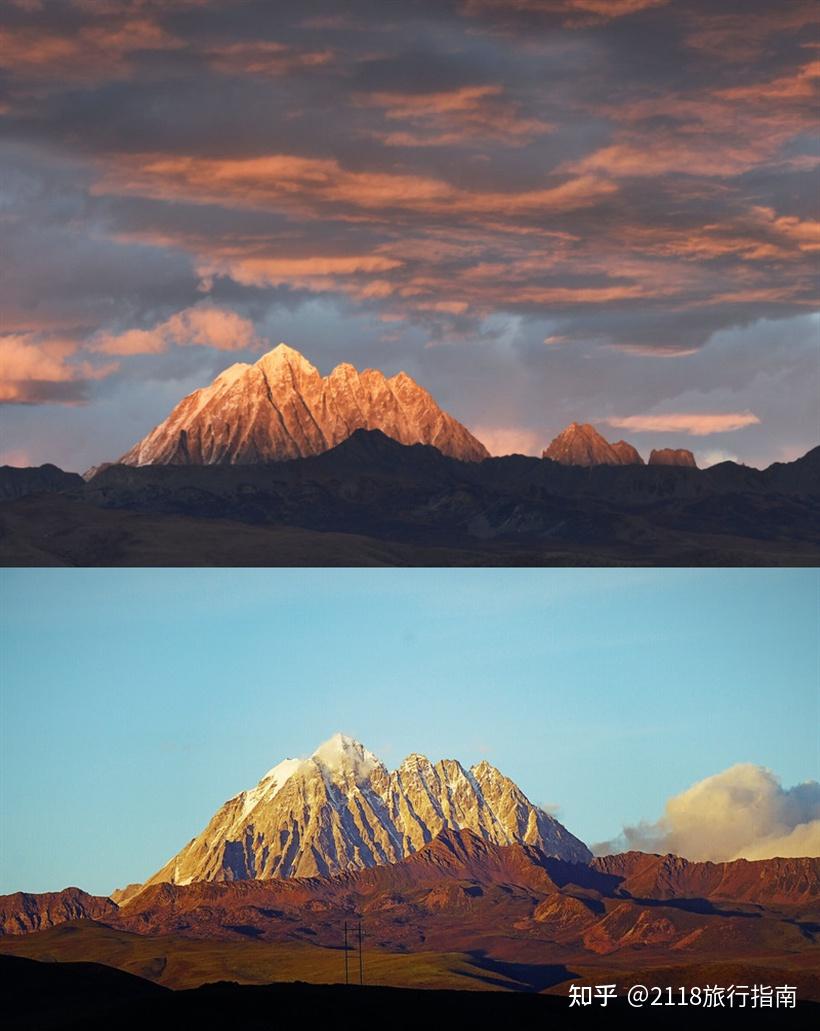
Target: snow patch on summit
341 753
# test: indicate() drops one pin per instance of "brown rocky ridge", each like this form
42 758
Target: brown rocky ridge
673 456
281 408
24 911
462 911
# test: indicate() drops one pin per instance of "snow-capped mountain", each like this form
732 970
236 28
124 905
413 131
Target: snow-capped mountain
342 810
281 407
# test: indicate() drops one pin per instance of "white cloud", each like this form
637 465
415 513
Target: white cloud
741 813
203 325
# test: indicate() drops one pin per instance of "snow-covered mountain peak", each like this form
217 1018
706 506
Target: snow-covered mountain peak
340 809
282 408
284 357
342 754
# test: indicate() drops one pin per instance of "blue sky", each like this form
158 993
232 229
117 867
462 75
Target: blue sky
135 702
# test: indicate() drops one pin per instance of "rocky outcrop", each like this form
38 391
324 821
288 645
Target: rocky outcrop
342 810
582 444
282 408
673 456
649 876
23 912
627 453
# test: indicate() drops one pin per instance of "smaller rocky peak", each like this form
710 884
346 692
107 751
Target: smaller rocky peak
415 762
628 454
581 444
402 378
344 370
283 359
673 456
485 772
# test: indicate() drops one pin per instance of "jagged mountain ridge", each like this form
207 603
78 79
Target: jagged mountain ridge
342 810
281 408
452 857
581 444
23 912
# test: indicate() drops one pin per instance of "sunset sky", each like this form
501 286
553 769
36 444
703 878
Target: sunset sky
133 703
542 210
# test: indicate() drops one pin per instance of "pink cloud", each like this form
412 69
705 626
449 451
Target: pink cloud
265 58
508 440
800 85
695 424
309 186
96 50
31 369
314 273
454 116
605 10
202 325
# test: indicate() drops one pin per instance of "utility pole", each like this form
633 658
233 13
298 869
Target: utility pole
347 975
361 963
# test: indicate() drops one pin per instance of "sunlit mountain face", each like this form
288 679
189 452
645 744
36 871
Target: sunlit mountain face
543 212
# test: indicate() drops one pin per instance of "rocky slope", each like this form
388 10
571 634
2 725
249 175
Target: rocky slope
673 456
342 810
628 454
581 444
765 881
281 408
23 911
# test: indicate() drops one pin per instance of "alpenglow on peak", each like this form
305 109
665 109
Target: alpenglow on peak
281 407
341 809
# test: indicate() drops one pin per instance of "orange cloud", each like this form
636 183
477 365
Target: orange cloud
289 182
31 370
315 272
606 10
265 58
454 116
695 424
758 234
203 326
94 51
743 37
800 85
707 133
